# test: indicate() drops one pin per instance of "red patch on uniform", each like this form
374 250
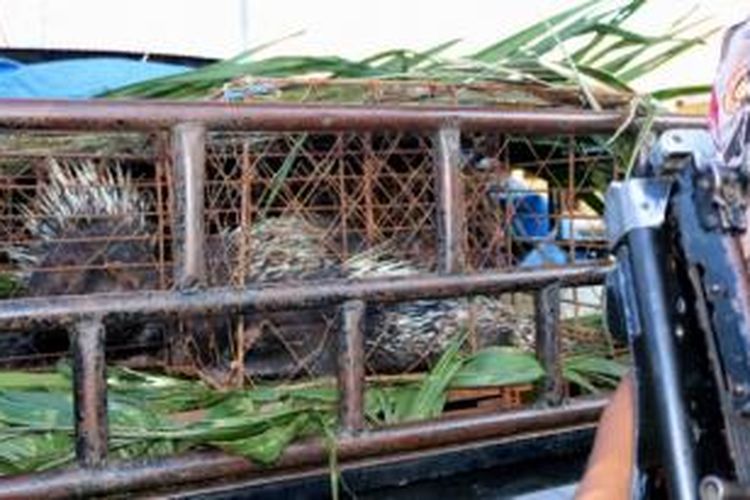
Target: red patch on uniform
713 112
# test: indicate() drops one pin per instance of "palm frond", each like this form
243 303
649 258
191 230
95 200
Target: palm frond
603 49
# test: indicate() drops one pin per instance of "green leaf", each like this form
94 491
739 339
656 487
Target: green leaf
593 373
643 135
165 86
622 15
498 366
579 55
319 395
36 409
617 64
265 45
675 92
661 58
433 51
581 27
277 182
380 405
25 381
576 378
160 392
9 286
625 35
404 61
597 24
34 451
605 78
429 399
267 447
592 321
596 364
516 42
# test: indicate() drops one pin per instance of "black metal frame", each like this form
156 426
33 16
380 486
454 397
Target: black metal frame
680 295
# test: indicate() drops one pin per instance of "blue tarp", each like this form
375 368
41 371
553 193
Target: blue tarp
76 78
8 64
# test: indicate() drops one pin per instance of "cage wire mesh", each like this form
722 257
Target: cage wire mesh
81 213
297 207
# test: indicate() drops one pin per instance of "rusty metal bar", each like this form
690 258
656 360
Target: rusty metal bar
89 392
351 367
451 210
20 313
200 467
149 115
189 160
549 342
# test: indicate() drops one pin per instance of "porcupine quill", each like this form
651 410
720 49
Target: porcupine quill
398 337
84 219
411 334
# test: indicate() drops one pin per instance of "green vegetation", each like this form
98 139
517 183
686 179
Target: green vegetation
586 47
148 411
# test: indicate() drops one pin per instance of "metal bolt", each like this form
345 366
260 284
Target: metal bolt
681 306
704 183
677 139
714 488
711 489
740 390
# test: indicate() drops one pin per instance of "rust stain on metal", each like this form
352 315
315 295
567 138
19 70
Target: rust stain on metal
351 367
141 115
90 392
451 210
189 157
20 313
549 342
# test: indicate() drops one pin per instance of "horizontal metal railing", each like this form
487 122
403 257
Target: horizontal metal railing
211 466
149 115
22 313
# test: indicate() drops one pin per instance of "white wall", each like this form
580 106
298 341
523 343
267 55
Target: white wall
348 27
199 28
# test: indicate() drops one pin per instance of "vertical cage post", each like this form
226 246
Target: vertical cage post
549 342
451 209
162 179
89 391
344 194
189 157
351 366
369 177
188 223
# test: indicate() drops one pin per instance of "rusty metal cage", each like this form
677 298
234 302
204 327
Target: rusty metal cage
296 241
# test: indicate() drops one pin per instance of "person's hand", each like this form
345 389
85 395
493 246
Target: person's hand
609 470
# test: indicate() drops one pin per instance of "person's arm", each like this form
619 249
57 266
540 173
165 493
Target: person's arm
608 474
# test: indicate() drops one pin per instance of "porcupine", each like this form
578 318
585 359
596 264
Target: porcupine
282 249
86 219
86 216
277 250
410 335
398 337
